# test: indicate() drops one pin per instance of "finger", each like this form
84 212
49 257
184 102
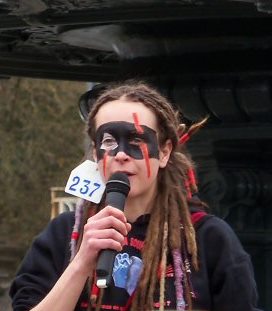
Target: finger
110 211
128 226
106 234
96 245
106 223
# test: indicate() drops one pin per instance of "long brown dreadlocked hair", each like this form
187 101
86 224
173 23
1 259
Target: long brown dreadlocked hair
170 229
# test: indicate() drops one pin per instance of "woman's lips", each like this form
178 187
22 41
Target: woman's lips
129 174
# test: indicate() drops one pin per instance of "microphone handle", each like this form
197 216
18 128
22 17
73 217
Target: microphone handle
106 257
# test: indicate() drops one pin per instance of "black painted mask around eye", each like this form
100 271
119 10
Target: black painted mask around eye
113 137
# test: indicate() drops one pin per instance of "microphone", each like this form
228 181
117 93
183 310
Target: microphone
117 189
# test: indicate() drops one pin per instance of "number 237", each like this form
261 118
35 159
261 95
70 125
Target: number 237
85 186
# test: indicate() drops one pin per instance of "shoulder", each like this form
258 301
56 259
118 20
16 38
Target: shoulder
61 222
217 241
53 243
57 232
43 263
212 226
64 219
213 234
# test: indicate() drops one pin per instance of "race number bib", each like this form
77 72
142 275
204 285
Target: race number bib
85 182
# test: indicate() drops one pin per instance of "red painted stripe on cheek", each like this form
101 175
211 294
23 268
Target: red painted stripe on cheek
143 147
105 157
146 157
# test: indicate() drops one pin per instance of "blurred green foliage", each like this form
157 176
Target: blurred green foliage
41 141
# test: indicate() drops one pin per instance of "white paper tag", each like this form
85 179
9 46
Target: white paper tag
85 182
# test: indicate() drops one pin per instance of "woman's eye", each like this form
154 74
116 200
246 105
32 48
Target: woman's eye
136 141
108 143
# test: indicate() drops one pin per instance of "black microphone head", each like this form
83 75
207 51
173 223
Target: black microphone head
118 182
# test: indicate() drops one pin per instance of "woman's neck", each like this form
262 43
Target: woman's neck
137 206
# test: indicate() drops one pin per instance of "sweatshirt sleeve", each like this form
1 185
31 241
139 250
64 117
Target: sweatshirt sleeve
231 278
43 264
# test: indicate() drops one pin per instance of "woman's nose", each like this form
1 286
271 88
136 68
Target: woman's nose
121 156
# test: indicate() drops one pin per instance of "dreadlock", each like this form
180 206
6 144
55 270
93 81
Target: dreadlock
170 210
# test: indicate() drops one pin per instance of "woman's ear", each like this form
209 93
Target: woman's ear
165 152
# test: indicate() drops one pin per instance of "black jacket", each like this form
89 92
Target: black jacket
225 281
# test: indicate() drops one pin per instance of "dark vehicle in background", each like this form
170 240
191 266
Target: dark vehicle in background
210 57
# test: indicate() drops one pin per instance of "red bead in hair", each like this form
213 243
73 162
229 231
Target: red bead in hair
191 175
75 235
184 138
188 189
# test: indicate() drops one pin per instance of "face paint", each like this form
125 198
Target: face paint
105 163
147 162
113 137
143 146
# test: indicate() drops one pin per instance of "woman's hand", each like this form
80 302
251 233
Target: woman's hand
105 230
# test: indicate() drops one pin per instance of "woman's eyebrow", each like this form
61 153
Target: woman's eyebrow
134 132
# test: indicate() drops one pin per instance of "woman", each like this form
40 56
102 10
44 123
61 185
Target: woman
171 254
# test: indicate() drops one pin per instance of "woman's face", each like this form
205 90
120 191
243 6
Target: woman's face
127 141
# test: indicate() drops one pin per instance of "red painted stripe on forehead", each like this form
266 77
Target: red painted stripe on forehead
138 127
144 150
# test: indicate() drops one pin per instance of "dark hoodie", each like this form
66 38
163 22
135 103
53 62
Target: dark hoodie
224 282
